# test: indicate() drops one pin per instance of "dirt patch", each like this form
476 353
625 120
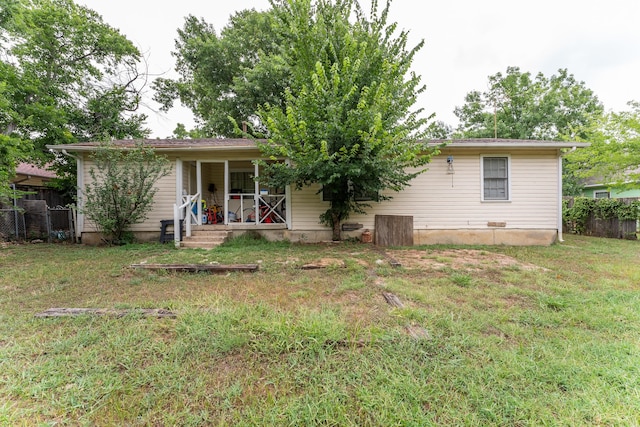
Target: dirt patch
458 259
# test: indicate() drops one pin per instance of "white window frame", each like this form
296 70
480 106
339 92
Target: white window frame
509 178
361 198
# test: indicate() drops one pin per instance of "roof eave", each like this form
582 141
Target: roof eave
516 145
90 148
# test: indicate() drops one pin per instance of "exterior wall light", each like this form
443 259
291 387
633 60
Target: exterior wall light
450 170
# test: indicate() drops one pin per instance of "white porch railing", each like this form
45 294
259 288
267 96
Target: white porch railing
271 208
188 203
258 208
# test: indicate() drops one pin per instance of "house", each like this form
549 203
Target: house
596 189
36 211
476 191
35 180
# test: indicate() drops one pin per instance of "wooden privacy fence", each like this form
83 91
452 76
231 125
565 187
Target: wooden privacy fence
613 228
610 227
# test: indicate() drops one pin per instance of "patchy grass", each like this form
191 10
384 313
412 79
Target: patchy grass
517 336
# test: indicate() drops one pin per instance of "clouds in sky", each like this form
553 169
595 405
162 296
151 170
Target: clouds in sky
466 41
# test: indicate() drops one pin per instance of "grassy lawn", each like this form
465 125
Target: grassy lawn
515 336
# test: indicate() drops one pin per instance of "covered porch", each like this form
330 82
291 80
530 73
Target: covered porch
227 195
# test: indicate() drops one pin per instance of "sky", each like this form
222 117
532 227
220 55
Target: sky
466 41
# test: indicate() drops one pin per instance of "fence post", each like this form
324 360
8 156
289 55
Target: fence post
48 218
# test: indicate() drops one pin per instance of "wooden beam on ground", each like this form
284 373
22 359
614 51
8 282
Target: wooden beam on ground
418 332
71 312
392 261
392 299
197 268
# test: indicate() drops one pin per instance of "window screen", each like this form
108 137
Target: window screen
496 178
242 182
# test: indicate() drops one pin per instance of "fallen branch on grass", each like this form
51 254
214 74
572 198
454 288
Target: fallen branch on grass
70 312
197 268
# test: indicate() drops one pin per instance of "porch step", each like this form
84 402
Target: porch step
205 239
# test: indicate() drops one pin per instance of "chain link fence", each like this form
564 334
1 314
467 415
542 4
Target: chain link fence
60 222
35 220
12 225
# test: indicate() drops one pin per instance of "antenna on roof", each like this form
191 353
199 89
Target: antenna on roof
495 120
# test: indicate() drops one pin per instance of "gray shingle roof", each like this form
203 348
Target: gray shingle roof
207 144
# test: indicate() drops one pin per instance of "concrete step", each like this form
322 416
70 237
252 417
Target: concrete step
205 239
217 241
209 233
199 245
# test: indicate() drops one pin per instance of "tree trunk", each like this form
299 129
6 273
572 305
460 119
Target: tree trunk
335 222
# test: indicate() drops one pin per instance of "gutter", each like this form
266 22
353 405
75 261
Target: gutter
86 148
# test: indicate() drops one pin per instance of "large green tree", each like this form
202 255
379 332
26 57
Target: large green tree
66 76
347 122
614 154
12 148
223 77
518 105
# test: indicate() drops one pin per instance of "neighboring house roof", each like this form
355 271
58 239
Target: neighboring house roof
598 181
28 169
244 143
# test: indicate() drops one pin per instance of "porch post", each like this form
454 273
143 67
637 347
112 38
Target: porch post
179 181
177 215
287 202
225 186
199 190
256 193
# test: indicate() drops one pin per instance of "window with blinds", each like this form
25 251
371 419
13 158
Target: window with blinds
495 178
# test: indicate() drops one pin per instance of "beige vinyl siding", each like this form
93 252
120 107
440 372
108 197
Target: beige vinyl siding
306 207
163 202
438 200
212 173
188 177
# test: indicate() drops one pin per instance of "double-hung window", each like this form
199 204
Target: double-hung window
359 195
495 178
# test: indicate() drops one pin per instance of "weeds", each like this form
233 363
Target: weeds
508 346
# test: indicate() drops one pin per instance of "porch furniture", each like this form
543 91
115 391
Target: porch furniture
168 237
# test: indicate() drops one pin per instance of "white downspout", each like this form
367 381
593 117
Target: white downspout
79 226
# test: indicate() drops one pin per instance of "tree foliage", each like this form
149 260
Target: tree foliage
12 149
65 76
347 122
520 106
122 188
614 154
224 76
